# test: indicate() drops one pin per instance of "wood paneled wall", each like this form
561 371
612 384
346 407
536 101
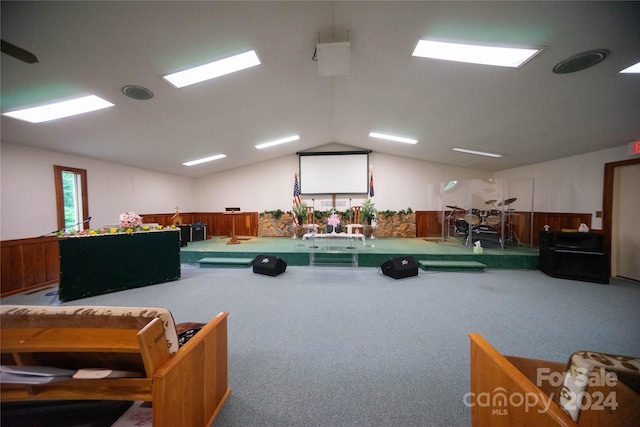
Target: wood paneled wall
429 223
30 263
218 223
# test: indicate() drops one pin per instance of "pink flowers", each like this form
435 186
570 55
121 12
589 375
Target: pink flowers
130 220
333 220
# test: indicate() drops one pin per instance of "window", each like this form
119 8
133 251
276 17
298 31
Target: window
72 201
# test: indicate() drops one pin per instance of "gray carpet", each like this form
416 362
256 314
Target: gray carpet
339 346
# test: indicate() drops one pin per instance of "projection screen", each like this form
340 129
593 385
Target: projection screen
344 172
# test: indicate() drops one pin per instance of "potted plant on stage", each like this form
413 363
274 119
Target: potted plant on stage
368 216
300 212
368 212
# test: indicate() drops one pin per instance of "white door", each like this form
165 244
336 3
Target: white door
625 243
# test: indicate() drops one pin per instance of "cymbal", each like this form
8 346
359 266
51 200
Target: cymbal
508 201
490 202
456 208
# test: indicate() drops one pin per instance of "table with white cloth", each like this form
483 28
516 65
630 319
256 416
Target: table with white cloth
334 236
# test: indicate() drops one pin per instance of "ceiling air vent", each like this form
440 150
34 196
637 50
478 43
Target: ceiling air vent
581 61
137 92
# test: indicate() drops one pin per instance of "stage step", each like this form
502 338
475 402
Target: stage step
224 262
440 265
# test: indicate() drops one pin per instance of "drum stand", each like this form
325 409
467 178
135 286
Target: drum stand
511 235
452 215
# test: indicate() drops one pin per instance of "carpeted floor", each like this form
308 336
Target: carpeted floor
340 346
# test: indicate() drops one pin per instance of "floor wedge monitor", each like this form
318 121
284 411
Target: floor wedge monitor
400 267
269 265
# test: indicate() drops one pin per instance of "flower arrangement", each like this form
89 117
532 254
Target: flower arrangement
333 220
130 220
107 231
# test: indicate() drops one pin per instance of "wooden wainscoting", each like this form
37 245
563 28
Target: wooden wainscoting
28 264
429 223
34 262
218 223
166 219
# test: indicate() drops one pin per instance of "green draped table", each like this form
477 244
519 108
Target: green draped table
99 264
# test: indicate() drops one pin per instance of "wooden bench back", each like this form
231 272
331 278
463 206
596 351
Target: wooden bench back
96 317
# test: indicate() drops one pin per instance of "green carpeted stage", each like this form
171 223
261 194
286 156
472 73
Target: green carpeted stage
353 253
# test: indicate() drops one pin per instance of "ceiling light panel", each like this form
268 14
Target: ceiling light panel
60 110
393 138
634 69
277 142
213 69
473 54
477 153
204 160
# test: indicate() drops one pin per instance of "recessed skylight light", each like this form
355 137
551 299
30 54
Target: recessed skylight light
478 153
634 69
204 160
59 110
278 141
393 138
213 69
486 55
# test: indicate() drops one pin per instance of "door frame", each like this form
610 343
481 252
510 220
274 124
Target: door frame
607 200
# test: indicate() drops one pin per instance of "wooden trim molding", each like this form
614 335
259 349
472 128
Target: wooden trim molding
607 198
57 171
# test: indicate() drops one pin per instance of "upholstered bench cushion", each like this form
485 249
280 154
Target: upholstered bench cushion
582 364
36 316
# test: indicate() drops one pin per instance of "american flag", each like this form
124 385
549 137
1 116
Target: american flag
296 197
371 185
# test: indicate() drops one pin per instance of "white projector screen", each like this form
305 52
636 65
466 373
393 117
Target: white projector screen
334 172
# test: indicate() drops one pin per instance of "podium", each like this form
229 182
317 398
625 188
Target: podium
234 239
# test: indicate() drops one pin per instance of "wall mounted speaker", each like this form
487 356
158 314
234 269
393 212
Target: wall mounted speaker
269 265
333 58
400 267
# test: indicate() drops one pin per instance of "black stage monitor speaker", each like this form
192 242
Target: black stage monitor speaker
401 267
269 265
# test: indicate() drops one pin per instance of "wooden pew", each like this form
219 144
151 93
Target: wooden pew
506 391
186 388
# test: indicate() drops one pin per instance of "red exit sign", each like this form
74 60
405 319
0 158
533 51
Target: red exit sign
634 148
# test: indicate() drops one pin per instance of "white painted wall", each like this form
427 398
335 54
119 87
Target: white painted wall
399 183
255 188
573 184
28 195
28 192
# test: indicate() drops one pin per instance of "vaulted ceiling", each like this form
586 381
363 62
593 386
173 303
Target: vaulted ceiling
528 114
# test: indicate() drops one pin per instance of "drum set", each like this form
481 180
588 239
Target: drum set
484 225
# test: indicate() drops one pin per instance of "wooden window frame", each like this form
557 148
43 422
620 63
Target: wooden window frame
60 194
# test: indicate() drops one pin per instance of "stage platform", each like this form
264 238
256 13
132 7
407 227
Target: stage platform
344 252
